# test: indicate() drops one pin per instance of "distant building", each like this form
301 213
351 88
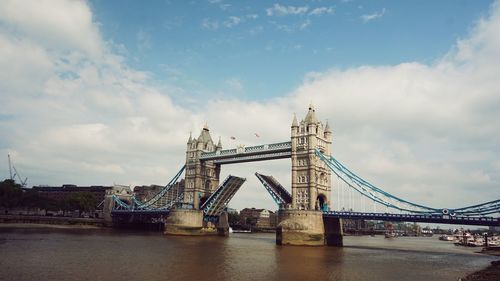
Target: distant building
258 218
60 193
146 192
352 226
119 189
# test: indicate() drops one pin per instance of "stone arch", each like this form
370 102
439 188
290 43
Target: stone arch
321 202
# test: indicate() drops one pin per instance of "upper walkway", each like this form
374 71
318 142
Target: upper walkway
261 152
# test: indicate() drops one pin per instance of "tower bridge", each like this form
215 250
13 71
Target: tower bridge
306 214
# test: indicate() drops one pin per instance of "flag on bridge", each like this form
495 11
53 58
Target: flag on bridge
233 138
257 135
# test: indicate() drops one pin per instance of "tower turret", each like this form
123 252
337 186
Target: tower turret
219 145
295 125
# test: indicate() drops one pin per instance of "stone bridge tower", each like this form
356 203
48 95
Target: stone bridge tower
201 177
201 180
302 223
311 179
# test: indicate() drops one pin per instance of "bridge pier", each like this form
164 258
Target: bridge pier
300 228
333 231
107 208
188 222
308 228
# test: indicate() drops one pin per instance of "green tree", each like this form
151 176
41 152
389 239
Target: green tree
31 199
234 219
10 194
82 201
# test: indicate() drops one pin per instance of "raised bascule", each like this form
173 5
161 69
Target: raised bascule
305 216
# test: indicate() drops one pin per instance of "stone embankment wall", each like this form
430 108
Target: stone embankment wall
191 223
50 220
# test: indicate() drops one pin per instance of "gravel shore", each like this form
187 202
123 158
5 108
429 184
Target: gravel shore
491 273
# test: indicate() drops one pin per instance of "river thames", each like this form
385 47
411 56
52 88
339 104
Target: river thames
110 254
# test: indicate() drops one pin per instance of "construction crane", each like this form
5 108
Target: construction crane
16 173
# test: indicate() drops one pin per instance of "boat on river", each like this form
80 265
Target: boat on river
445 237
390 234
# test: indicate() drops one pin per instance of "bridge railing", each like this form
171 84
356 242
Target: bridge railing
225 152
280 145
254 148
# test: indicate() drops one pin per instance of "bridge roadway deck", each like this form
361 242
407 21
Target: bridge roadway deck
442 219
483 221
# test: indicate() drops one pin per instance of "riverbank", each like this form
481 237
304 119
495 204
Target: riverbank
491 273
494 251
20 220
41 225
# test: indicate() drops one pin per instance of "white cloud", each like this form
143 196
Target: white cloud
321 11
291 28
210 24
252 16
232 21
71 106
65 24
496 165
143 41
256 29
280 10
234 85
305 24
225 7
369 17
409 124
428 133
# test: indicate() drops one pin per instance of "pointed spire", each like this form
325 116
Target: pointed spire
295 123
205 135
327 127
311 115
219 144
190 137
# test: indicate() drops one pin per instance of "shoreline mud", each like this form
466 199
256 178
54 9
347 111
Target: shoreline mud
490 273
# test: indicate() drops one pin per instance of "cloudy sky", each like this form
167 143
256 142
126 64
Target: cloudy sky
103 92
